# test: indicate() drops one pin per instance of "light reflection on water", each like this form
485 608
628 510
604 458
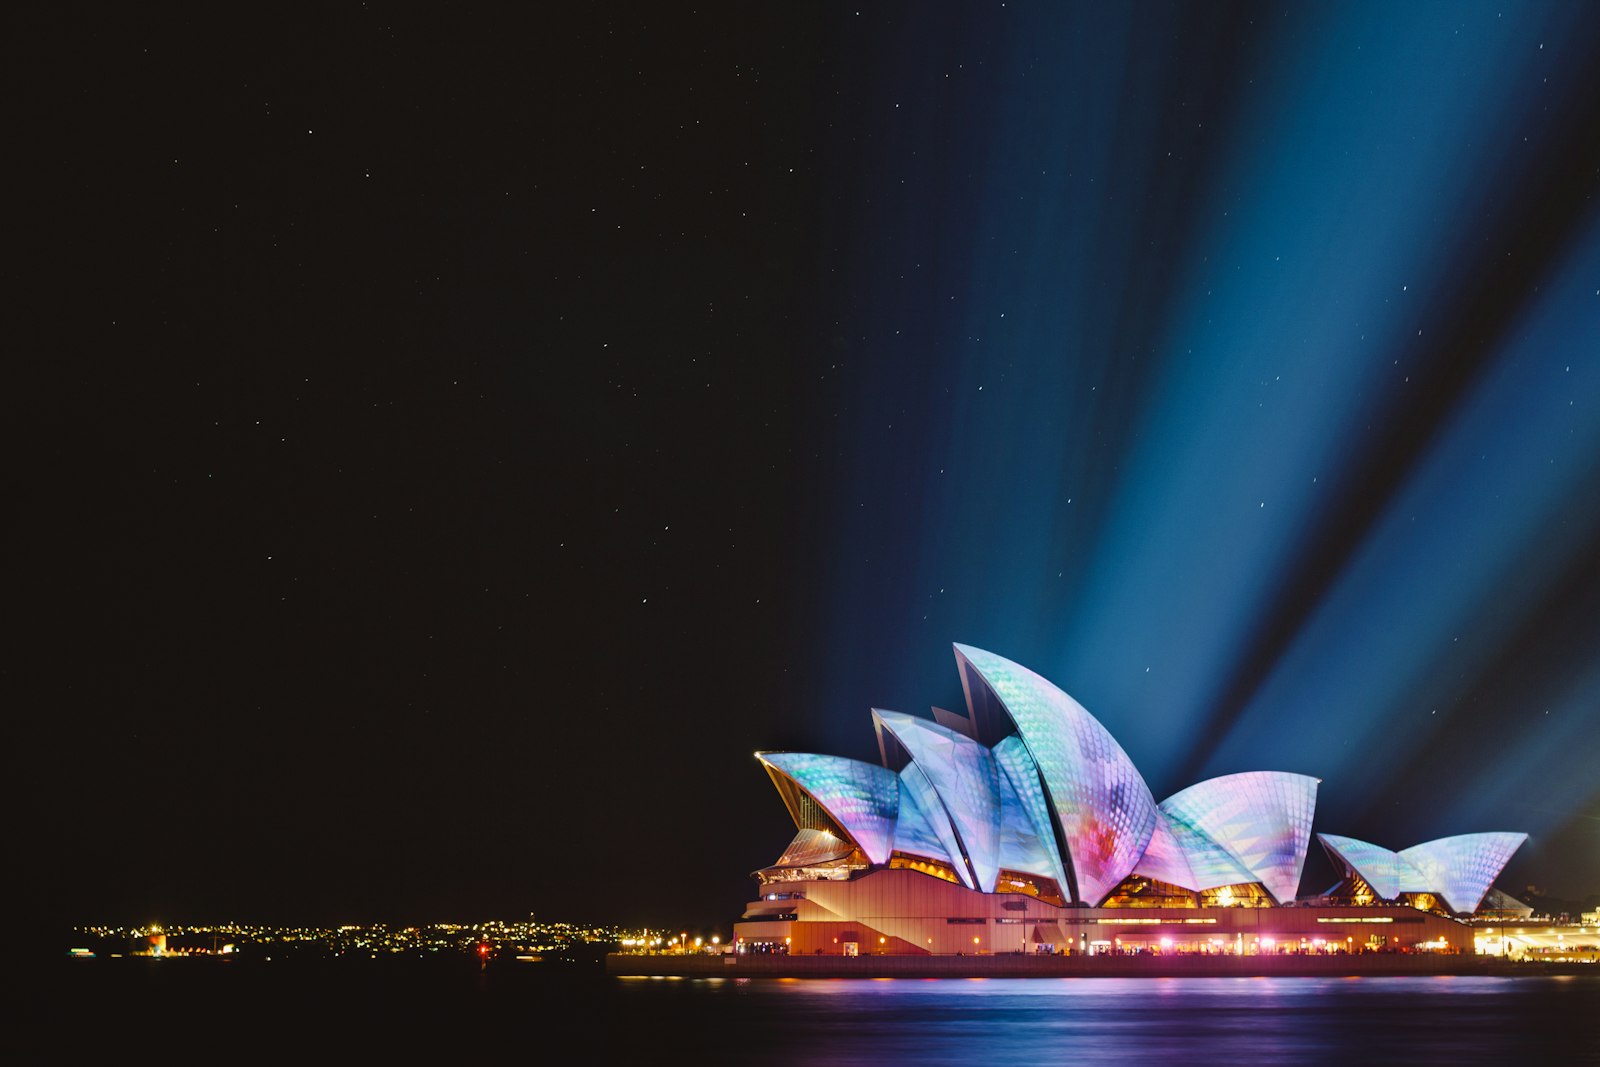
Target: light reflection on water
1201 1020
444 1011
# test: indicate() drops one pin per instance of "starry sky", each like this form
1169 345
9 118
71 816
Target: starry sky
447 446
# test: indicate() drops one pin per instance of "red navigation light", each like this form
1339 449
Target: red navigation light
483 949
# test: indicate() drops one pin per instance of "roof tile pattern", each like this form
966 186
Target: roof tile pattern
967 780
1028 841
1260 819
1461 868
863 798
1377 866
1183 855
924 828
1104 809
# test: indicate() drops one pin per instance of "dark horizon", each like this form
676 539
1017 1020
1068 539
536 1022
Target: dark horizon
450 447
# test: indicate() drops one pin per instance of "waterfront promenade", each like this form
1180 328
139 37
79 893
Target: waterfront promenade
1061 966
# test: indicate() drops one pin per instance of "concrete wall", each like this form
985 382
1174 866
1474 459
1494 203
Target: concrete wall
900 912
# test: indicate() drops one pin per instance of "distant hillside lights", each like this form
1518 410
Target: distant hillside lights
513 940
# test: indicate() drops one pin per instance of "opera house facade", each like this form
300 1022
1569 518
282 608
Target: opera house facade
1022 826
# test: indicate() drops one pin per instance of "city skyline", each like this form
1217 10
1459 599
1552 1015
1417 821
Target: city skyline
453 446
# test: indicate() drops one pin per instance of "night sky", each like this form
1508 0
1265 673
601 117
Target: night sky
446 446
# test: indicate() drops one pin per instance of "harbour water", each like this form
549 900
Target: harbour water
195 1011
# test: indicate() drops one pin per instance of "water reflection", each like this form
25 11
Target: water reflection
1247 1020
406 1013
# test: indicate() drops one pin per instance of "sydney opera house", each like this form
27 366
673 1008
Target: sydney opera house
1021 826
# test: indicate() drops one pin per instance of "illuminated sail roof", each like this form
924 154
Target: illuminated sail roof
967 782
1027 841
1164 858
1459 869
924 827
1182 855
862 798
1377 866
1260 819
1102 807
1029 782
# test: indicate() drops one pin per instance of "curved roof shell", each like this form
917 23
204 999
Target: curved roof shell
862 798
1259 819
967 781
1377 866
1027 838
924 828
1461 868
1183 855
1102 806
1028 781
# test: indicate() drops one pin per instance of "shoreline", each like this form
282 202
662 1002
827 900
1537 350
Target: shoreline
625 965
